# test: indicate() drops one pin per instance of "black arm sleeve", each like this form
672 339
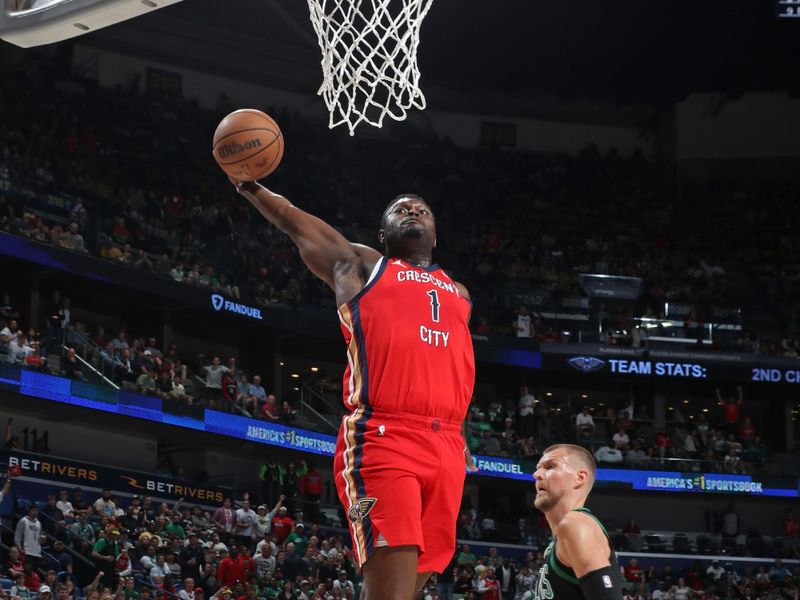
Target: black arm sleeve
602 584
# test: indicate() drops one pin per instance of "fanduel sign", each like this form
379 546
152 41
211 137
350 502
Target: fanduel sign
220 303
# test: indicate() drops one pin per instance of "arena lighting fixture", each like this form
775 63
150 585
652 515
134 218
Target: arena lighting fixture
314 369
548 393
671 408
295 375
705 410
281 363
584 396
686 402
296 389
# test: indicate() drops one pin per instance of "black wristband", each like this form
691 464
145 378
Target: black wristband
602 584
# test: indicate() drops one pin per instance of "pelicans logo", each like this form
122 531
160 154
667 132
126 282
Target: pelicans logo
360 509
587 364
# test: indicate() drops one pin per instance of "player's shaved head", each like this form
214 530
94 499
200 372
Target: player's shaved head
396 199
578 456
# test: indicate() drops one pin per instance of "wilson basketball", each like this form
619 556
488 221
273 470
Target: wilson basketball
248 144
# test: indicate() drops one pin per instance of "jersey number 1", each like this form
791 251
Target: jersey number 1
434 305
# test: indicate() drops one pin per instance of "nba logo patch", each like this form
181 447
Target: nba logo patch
607 582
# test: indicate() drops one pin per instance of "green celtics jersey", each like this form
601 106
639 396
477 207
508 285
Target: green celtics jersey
557 581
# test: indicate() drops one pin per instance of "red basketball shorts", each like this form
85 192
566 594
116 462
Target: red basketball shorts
400 479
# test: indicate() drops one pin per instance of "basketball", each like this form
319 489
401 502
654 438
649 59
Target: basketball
248 144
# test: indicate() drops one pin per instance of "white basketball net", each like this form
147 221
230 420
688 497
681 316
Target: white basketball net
369 58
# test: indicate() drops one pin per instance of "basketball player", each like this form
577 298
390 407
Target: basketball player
400 454
580 562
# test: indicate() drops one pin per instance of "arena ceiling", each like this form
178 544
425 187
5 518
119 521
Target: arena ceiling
628 51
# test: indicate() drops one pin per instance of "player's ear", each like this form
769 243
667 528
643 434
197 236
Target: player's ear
382 236
581 477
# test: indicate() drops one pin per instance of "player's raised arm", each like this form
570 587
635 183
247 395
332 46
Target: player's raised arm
325 251
248 145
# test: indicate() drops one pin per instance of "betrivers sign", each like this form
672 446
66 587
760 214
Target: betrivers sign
220 303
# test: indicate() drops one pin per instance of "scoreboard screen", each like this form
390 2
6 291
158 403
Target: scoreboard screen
788 9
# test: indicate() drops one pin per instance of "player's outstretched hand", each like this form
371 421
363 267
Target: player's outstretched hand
469 461
236 183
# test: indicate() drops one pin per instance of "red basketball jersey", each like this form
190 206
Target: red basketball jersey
409 348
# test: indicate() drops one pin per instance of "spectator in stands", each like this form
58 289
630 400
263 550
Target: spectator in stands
270 410
522 325
9 333
13 565
82 534
270 474
120 342
664 445
72 239
633 572
174 527
287 413
71 367
311 491
178 392
126 369
608 455
256 395
778 572
79 505
214 373
19 349
489 586
466 556
584 423
282 525
53 522
715 571
109 357
105 552
159 570
681 591
747 432
230 569
146 383
265 562
621 440
246 519
732 462
230 390
19 589
636 457
163 385
28 536
342 583
731 409
225 519
527 403
631 527
104 506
